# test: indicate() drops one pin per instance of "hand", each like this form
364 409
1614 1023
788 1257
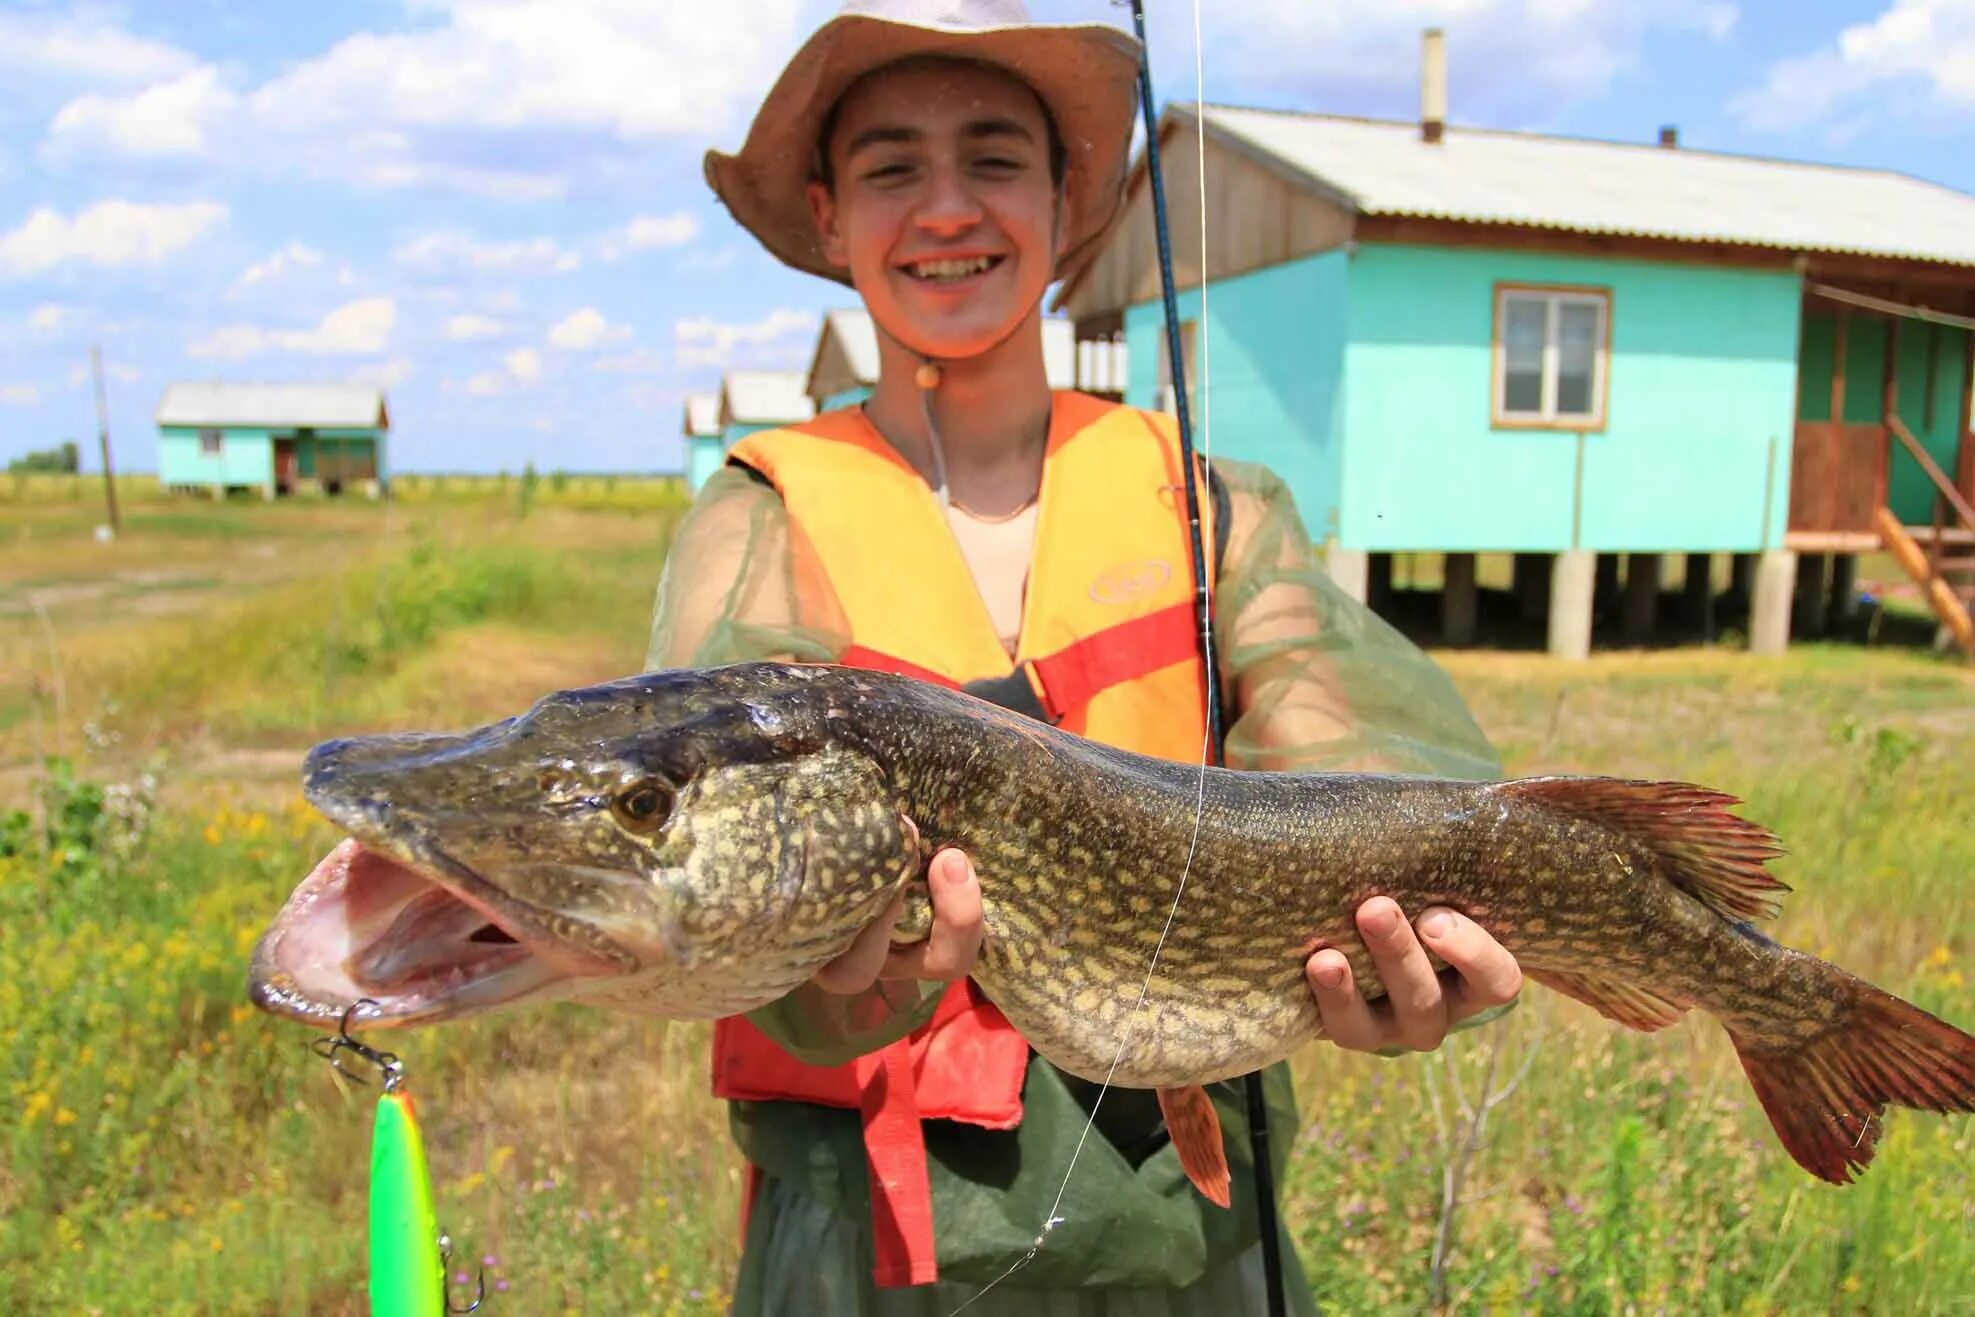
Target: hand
946 954
1419 1006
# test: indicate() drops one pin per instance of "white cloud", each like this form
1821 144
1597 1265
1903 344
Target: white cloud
704 341
638 361
525 364
451 251
585 329
384 374
521 366
1916 57
170 118
354 329
646 232
116 370
49 317
583 87
294 255
465 328
109 233
20 395
83 46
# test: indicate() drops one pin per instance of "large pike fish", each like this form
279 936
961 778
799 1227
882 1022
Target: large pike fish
697 843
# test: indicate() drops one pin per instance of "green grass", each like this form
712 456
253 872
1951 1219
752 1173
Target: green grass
171 1150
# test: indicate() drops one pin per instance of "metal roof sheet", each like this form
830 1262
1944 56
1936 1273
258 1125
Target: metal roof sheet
1382 167
325 406
764 397
702 413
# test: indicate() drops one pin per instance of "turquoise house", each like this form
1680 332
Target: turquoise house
704 451
1600 358
275 438
844 367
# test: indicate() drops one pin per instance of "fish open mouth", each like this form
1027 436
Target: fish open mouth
422 945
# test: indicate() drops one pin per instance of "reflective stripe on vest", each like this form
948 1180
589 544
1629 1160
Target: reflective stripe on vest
1107 642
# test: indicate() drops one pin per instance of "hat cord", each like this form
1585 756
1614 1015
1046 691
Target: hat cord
927 377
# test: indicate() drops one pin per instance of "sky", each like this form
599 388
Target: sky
496 208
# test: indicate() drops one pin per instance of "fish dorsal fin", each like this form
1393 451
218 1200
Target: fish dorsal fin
1195 1128
1709 853
1626 1003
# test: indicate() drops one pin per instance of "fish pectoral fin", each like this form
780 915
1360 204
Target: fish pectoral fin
1195 1128
1628 1004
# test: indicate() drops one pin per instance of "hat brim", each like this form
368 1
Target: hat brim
1086 73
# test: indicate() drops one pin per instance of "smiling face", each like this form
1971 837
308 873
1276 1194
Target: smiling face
941 199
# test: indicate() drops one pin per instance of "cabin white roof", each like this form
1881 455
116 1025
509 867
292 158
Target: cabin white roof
764 397
276 406
1382 167
702 414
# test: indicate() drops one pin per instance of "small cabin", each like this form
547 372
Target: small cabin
1603 359
704 450
279 439
753 400
844 367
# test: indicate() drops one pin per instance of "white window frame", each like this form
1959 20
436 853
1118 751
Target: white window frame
212 442
1553 297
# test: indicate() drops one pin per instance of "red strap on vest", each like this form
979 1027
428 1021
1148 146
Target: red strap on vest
1077 673
895 1153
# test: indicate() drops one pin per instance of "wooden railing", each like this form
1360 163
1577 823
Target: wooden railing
1943 578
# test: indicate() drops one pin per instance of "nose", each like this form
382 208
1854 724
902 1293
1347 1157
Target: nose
950 207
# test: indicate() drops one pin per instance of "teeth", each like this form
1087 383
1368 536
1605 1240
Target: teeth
950 269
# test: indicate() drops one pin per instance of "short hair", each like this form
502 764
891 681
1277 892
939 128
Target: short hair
823 172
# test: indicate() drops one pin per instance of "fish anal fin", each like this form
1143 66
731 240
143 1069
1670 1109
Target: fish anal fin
1714 856
1195 1128
1630 1005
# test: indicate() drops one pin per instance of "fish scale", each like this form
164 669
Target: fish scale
796 802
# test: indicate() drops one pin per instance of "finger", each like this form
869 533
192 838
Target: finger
1349 1020
857 968
949 951
1419 1006
1485 974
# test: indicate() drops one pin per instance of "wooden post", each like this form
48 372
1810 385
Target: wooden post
1889 407
1700 595
1457 598
1642 595
103 439
1834 443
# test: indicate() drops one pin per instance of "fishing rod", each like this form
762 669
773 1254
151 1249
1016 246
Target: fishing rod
1258 1112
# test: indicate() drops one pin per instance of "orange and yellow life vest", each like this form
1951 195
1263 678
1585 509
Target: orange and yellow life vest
1107 649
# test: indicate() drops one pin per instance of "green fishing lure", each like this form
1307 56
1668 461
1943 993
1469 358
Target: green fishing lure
408 1254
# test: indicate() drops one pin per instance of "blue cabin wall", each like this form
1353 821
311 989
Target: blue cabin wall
1694 453
245 457
1273 353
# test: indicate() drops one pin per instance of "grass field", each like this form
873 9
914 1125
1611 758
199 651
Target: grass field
173 1151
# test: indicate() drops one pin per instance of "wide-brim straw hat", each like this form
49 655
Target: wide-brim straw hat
1085 73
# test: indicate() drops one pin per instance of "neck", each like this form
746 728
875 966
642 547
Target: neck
992 411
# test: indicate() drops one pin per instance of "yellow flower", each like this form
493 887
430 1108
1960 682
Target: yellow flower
37 1103
63 1116
1852 1284
1953 978
1939 957
217 1243
212 835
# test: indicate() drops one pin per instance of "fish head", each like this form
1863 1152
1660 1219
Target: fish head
687 844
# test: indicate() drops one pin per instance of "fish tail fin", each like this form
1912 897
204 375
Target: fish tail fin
1826 1096
1714 856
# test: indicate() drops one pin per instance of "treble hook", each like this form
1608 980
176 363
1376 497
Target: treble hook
445 1264
387 1063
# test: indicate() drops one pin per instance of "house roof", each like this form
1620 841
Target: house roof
1382 167
322 406
764 397
702 414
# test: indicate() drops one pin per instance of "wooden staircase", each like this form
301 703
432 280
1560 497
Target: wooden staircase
1946 581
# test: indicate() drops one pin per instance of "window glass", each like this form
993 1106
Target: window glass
1522 354
1577 358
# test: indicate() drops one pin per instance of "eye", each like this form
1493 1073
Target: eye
643 806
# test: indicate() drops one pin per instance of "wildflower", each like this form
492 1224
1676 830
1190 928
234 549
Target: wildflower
63 1116
1939 957
217 1243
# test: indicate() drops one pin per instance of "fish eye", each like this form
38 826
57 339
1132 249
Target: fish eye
643 806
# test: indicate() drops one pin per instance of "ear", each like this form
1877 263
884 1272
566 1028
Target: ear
823 210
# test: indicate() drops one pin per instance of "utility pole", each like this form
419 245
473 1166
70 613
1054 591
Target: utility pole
103 439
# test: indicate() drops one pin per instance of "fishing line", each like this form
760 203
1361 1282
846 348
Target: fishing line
1203 577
